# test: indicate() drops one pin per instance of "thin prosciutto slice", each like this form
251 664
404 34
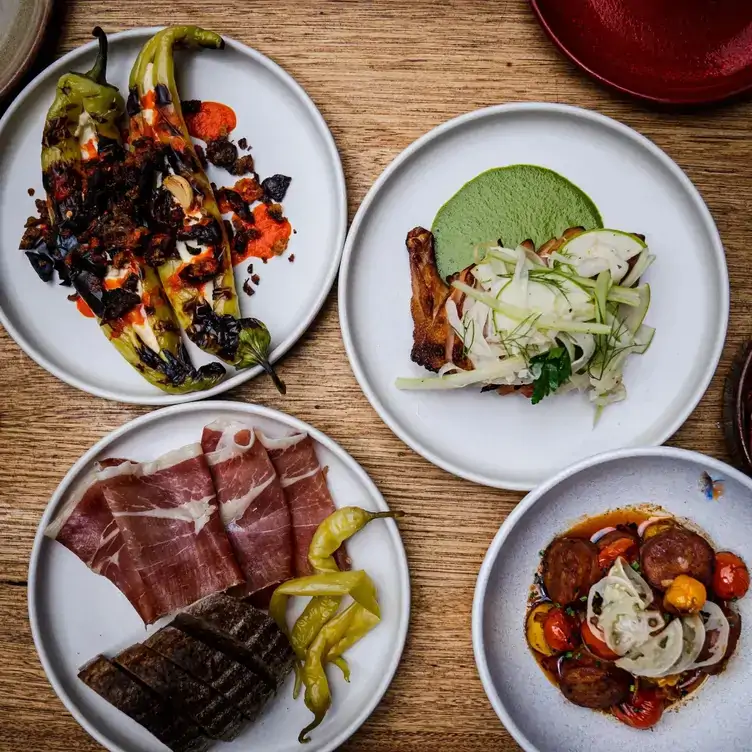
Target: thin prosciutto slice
168 514
85 526
304 483
252 505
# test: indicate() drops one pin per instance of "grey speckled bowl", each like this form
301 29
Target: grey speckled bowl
718 718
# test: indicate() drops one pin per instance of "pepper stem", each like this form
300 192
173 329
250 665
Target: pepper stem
304 736
98 73
269 368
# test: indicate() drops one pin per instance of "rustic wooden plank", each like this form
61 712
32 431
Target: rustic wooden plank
382 73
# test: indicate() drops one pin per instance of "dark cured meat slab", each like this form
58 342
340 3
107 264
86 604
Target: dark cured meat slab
242 687
143 705
214 713
240 629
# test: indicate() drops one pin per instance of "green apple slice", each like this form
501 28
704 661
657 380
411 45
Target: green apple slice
597 251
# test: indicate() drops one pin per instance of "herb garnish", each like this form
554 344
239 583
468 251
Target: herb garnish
550 370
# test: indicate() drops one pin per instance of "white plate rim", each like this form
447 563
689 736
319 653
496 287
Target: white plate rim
490 112
481 586
248 410
242 376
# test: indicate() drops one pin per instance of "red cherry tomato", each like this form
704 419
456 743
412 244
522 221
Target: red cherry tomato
730 576
560 630
594 643
643 711
624 547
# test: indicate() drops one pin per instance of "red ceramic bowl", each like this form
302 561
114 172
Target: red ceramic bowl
667 51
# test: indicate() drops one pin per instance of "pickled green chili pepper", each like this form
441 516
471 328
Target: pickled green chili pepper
357 585
197 274
335 530
318 698
361 623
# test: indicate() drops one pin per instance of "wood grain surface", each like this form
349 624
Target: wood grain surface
382 73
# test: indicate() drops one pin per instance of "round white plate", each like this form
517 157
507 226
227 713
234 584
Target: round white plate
534 711
76 614
288 136
506 441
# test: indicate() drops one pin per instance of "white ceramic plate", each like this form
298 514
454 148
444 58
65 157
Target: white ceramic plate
288 136
719 715
76 614
507 442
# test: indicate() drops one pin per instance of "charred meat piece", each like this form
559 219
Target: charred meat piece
222 153
243 687
143 705
591 683
434 341
208 709
243 165
676 551
243 631
570 569
275 187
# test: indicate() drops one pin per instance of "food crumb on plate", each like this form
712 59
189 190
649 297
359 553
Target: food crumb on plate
247 289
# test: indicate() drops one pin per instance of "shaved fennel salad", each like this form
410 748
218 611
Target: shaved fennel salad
565 318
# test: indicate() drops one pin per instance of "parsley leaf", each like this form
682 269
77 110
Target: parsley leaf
550 370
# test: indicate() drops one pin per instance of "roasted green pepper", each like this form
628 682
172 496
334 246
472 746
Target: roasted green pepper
195 266
94 241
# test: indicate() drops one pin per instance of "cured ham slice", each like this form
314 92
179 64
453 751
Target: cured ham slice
168 514
252 505
85 526
304 483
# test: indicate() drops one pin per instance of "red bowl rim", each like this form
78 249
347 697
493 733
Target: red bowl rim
699 99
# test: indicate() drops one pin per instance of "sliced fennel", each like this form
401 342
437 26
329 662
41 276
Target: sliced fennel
520 306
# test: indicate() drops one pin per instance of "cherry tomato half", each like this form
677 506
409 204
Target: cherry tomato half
624 547
594 643
730 576
643 710
560 630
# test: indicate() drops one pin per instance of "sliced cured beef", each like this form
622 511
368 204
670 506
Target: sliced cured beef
252 505
143 705
211 711
676 551
308 497
570 568
244 688
242 631
85 526
168 514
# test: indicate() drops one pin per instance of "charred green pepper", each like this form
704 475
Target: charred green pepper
196 265
93 238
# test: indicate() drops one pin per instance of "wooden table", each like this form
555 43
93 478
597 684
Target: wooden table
382 74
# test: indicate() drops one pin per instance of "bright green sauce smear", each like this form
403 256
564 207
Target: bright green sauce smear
512 204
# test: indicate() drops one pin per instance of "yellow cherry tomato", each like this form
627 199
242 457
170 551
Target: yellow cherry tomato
535 636
685 595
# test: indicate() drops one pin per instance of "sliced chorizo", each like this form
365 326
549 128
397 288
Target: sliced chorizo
676 551
570 569
593 684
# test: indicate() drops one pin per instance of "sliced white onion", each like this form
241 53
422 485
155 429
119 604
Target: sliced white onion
655 657
692 641
643 526
626 625
716 621
638 587
595 537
